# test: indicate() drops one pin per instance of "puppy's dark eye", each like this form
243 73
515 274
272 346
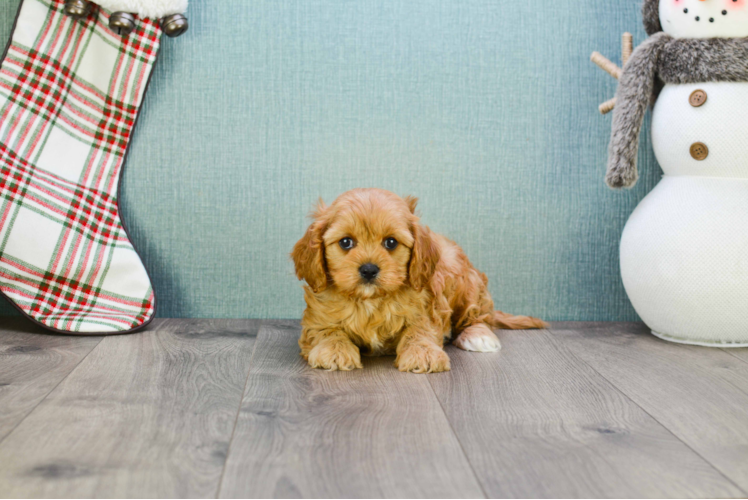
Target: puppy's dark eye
347 243
390 243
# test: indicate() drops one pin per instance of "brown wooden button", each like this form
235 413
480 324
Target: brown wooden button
698 98
699 151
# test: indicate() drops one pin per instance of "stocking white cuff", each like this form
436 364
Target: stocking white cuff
152 9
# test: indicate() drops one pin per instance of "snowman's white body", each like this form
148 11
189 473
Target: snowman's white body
684 251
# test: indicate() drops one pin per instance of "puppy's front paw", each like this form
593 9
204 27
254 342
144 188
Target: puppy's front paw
335 355
478 338
422 359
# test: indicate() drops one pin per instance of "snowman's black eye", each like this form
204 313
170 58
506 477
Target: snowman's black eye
390 243
685 11
347 243
724 12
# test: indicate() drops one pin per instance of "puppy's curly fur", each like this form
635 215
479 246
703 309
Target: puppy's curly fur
425 291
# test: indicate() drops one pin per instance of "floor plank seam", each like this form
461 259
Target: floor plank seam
239 409
736 387
53 389
630 398
729 351
462 448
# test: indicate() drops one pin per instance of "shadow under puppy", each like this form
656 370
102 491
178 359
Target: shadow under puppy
381 283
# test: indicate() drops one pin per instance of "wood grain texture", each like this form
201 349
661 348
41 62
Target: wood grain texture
700 394
603 410
145 415
534 421
368 433
32 363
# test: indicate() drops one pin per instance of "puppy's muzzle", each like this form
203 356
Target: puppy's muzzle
369 272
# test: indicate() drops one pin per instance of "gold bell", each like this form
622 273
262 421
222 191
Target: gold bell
122 23
175 25
78 9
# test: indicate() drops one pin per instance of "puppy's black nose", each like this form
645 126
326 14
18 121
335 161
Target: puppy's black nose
369 271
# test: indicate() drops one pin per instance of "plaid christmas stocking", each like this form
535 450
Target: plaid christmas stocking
70 93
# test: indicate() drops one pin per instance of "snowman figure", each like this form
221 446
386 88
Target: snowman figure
684 251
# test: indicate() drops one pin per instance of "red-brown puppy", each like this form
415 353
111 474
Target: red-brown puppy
381 283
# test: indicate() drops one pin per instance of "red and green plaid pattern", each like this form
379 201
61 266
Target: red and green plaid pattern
70 92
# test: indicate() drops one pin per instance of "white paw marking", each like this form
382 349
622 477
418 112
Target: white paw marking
478 338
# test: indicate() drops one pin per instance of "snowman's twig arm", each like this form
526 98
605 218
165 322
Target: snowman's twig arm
635 92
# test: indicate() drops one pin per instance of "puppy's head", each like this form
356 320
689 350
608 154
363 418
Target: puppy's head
368 243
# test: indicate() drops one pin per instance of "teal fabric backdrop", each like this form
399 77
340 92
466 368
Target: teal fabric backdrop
485 109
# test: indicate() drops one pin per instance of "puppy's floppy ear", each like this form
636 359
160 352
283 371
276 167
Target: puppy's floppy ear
424 257
309 252
412 202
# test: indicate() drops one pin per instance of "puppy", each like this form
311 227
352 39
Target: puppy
381 283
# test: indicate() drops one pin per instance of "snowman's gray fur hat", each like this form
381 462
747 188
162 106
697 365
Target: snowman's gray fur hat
651 15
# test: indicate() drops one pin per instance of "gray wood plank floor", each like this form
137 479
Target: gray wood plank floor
145 415
700 394
363 434
32 363
560 429
207 408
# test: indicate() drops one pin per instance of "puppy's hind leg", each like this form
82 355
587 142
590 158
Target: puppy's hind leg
478 338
